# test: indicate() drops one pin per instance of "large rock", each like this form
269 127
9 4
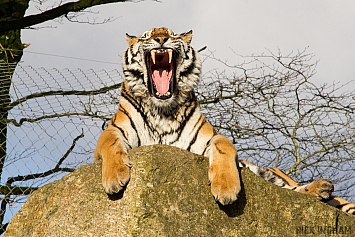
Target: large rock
168 195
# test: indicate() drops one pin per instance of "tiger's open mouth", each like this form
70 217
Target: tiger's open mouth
161 70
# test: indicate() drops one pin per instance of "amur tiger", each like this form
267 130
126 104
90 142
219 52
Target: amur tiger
158 106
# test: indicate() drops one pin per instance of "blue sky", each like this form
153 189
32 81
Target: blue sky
326 27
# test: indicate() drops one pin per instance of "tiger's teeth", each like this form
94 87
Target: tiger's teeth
160 95
152 54
170 52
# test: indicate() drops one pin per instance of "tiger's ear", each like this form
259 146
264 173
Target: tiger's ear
187 37
130 39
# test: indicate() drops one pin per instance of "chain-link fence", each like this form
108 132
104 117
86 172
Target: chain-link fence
51 119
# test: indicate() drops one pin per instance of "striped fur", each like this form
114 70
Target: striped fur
321 189
158 106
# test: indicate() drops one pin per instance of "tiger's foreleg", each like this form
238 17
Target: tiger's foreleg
223 172
115 160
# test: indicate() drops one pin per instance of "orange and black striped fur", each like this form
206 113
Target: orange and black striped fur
158 106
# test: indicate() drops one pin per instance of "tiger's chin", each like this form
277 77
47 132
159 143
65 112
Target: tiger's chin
163 107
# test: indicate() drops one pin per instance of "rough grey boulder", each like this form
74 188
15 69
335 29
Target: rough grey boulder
169 195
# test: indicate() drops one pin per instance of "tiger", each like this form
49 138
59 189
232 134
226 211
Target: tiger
158 105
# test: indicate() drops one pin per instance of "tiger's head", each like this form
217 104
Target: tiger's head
161 67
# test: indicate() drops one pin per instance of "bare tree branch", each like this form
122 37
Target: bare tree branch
16 190
51 14
60 92
276 116
52 116
56 169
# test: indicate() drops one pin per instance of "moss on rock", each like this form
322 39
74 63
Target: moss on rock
168 195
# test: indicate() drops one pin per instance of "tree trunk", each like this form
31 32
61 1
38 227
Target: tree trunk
10 54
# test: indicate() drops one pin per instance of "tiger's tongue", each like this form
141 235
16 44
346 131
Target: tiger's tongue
161 79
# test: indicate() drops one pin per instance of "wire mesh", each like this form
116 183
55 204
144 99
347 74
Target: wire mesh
54 119
273 115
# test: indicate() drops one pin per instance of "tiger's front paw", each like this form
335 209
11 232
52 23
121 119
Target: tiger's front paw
115 177
225 184
321 188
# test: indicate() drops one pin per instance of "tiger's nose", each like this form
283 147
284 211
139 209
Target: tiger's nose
161 39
